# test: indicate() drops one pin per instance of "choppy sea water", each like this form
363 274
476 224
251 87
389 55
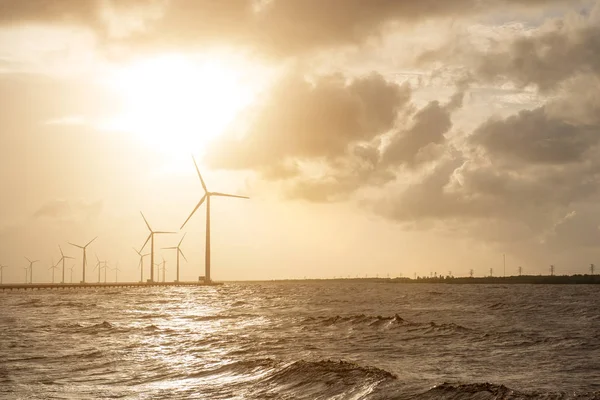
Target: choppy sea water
303 340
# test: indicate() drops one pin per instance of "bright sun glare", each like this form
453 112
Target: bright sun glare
177 104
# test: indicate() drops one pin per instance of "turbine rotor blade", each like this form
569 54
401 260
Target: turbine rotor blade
61 252
28 259
90 242
169 248
200 175
182 239
164 232
146 221
146 242
76 245
228 195
196 208
183 255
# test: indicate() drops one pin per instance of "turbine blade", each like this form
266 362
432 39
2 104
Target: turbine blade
134 249
197 206
183 255
169 248
76 245
228 195
28 259
164 232
90 242
61 253
146 221
182 239
200 175
146 242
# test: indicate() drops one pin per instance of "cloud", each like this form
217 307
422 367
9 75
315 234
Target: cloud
279 27
64 209
303 120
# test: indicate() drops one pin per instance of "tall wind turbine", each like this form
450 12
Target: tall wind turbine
2 269
84 248
207 196
178 248
62 259
31 269
53 267
151 238
141 264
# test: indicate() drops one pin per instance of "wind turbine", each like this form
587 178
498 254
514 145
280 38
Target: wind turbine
99 266
63 258
71 269
116 269
2 269
178 248
141 264
105 270
207 196
84 255
31 269
151 238
53 267
164 269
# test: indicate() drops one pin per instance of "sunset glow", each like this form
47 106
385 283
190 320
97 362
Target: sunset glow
174 103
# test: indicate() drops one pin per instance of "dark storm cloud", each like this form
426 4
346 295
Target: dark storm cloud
307 121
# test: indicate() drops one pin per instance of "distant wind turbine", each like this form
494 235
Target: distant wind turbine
151 239
31 269
178 249
62 259
2 269
141 263
99 266
164 269
84 248
207 196
53 267
26 269
116 269
71 269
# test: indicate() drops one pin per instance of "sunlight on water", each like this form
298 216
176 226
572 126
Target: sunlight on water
306 341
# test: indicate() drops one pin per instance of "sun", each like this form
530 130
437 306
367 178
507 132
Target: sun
177 104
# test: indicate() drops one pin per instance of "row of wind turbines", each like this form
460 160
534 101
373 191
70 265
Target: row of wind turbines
103 264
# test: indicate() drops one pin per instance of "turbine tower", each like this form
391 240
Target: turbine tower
116 269
2 269
141 264
53 267
151 238
207 196
178 249
26 269
31 269
71 269
84 248
99 266
62 259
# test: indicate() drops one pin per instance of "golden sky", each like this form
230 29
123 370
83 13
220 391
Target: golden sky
373 137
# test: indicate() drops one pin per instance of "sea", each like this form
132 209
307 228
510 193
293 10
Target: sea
338 339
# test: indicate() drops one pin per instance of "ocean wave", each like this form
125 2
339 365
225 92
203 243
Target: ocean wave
490 391
393 322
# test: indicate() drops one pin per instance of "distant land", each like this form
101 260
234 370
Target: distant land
508 280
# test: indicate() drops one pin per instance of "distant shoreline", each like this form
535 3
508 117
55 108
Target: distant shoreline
508 280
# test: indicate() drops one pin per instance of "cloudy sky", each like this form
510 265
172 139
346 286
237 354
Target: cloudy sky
374 137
